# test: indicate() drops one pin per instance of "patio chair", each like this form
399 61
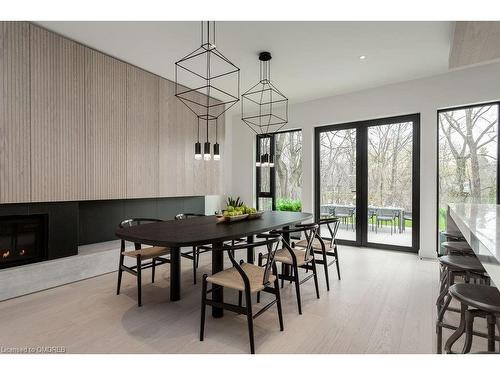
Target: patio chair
344 214
386 215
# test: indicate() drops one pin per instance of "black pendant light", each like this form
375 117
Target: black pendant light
197 145
216 144
207 83
264 108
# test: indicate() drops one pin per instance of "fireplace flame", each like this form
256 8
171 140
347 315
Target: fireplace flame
6 254
22 252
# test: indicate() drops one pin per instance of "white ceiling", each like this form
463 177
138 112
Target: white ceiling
310 59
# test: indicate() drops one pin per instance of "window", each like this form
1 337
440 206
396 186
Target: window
280 187
467 157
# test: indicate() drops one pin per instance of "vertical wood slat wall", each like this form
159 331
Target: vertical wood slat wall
14 113
57 117
142 134
76 124
106 114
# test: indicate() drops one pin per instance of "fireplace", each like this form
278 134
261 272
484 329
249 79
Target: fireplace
23 239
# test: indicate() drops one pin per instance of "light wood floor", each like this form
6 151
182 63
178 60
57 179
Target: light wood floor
384 304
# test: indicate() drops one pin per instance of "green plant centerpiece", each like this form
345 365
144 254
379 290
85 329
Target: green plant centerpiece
236 207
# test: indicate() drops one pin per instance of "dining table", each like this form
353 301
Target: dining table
205 230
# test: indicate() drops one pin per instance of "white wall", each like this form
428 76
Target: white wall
424 96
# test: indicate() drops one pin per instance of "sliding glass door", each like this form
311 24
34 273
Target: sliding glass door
467 157
337 195
367 175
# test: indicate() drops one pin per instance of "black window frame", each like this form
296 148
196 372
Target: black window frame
362 178
457 108
272 171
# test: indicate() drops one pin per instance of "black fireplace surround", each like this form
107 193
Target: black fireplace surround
33 232
23 239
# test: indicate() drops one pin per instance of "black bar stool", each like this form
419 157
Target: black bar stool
475 301
453 236
457 247
453 266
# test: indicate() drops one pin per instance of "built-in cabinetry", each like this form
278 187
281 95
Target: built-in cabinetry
76 124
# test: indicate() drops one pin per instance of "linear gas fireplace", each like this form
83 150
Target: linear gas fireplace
23 239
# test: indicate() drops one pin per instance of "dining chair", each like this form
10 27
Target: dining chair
154 254
296 258
325 246
194 254
246 278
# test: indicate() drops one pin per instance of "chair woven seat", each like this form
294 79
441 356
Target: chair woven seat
230 278
284 256
148 252
483 297
316 244
457 246
461 263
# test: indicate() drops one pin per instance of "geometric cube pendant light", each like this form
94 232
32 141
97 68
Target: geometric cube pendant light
208 84
264 108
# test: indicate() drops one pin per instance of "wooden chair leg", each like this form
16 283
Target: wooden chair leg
259 262
469 324
248 300
278 303
194 265
315 277
297 291
337 264
282 273
139 281
203 306
459 332
120 272
325 266
491 332
153 261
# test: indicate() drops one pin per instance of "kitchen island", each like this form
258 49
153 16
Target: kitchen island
480 225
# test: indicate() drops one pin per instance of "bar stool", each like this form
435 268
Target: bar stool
453 266
457 247
453 236
485 303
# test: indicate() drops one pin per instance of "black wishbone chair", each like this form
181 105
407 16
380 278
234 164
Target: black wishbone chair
297 258
193 255
154 253
324 246
246 278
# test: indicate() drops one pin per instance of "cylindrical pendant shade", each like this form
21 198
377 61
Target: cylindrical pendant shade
197 151
216 151
206 151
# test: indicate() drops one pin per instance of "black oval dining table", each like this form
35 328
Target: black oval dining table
205 230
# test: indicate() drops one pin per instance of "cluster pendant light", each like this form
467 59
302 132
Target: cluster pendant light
264 109
201 76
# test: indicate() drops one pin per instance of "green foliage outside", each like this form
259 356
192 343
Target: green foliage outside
294 205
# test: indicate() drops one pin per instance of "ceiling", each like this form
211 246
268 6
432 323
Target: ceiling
310 59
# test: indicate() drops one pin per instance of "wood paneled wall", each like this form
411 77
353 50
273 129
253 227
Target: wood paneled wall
76 124
106 120
57 117
142 134
14 113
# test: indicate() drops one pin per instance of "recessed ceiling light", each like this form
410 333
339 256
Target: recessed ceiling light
362 57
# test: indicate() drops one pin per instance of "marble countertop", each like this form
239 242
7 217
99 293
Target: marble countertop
480 225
